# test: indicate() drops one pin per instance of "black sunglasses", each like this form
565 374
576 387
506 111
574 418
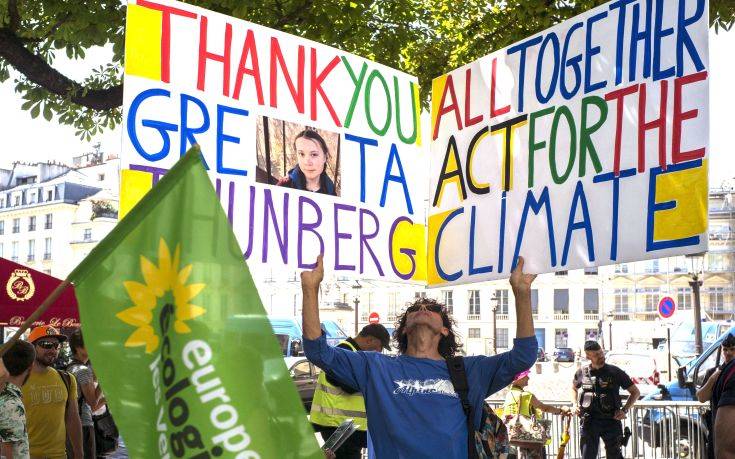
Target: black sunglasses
429 307
48 345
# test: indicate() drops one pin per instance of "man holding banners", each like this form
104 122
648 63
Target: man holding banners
412 407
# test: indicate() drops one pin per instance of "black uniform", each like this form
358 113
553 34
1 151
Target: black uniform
599 399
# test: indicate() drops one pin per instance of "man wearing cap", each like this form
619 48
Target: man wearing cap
50 399
334 402
596 399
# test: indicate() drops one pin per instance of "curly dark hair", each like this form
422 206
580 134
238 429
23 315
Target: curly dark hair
448 345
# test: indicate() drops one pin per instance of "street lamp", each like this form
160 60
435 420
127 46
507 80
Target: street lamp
495 299
356 287
610 317
696 262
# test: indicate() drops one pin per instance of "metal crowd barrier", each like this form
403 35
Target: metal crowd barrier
659 429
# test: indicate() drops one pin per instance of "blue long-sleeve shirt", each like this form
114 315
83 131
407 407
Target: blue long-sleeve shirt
412 408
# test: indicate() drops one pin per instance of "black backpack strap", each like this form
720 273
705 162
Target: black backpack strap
458 375
66 379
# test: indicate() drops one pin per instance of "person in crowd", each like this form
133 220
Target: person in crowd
17 363
596 399
89 395
335 402
520 401
412 407
310 174
706 392
723 412
50 399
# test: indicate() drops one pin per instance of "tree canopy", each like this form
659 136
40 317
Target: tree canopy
426 38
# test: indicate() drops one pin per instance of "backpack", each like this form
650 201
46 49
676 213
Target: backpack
106 434
492 439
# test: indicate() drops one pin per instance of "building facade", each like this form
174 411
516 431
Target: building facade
51 214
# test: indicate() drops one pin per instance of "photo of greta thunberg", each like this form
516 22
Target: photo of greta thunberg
296 156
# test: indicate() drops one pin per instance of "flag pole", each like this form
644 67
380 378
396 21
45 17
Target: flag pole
51 299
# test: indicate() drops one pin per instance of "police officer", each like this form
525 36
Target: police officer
597 401
335 402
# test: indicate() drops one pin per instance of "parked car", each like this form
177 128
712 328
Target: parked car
564 354
541 355
656 424
334 332
288 332
640 367
304 375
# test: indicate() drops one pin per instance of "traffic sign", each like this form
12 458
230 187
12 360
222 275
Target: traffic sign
374 318
666 307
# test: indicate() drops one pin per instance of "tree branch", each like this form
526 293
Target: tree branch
41 73
14 15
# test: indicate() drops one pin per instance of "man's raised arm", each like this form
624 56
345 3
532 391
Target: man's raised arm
310 281
521 284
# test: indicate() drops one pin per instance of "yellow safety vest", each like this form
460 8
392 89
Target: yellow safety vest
331 405
518 401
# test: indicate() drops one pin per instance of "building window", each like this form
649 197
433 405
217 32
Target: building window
561 301
473 306
47 249
88 237
100 177
448 300
716 298
651 266
17 201
684 298
561 337
561 273
2 252
501 298
591 334
32 223
621 301
392 306
416 295
33 198
14 250
502 338
2 202
591 301
473 333
31 249
621 269
2 226
590 271
534 301
651 297
16 225
49 221
50 195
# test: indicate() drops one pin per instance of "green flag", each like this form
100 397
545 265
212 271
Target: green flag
177 334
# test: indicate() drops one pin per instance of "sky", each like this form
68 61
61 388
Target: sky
30 139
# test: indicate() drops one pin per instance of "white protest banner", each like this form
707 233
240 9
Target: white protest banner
310 149
583 145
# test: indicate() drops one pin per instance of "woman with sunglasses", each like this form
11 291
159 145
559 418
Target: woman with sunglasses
412 407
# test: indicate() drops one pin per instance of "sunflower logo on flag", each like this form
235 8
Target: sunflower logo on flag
160 281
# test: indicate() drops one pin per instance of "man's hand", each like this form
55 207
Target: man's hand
619 415
310 280
520 281
565 411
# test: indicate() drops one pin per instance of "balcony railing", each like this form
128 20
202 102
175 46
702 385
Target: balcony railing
621 316
561 316
31 258
473 316
592 316
48 225
47 256
502 317
16 229
15 258
32 227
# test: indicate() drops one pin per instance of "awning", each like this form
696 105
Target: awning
23 289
